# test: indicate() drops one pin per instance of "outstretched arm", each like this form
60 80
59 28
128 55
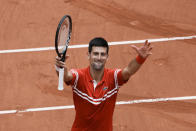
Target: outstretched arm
135 64
67 74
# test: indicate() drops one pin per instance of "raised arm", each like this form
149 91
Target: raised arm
135 64
67 74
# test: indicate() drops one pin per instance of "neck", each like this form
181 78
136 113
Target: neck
96 75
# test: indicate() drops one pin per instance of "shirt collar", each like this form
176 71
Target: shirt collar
91 79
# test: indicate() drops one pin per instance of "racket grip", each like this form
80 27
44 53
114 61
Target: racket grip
61 79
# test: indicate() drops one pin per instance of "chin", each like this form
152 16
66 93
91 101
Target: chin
97 67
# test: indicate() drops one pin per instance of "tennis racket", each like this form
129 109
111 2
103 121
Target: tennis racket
62 39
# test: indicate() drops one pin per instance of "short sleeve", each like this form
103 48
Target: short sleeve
120 79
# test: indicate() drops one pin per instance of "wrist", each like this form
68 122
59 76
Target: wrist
140 60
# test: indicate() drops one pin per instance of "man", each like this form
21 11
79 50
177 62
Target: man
95 88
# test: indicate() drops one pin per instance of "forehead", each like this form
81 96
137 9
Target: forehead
99 49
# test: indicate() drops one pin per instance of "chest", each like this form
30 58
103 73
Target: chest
96 90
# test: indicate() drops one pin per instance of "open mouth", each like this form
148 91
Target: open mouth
98 62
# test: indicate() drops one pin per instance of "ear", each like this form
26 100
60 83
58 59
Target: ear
88 55
107 57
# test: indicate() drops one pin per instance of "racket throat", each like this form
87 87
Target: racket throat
62 56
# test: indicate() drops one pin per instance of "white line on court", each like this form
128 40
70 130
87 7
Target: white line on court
110 43
117 103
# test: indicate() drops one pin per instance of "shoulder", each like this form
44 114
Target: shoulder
112 71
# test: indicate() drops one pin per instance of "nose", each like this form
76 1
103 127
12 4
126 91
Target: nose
99 56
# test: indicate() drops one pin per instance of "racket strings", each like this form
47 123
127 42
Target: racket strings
64 36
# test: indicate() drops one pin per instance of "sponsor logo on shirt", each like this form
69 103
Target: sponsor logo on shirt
105 88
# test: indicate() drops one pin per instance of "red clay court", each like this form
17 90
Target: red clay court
161 96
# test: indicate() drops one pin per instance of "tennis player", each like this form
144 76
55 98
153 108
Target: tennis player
95 87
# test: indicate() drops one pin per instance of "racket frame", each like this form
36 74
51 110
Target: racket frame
63 53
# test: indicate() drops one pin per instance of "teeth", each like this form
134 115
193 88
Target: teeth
98 62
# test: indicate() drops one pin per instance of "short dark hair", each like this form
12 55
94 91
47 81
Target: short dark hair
98 41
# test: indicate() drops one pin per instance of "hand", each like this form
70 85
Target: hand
60 63
143 51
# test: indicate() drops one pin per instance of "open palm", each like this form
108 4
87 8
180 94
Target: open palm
144 51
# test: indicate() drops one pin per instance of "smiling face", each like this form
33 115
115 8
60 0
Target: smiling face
98 57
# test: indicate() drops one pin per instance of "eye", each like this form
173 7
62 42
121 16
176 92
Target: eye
103 54
95 53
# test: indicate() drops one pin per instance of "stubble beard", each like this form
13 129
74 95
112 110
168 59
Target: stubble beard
97 67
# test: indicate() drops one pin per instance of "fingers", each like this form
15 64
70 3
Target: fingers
144 50
149 50
60 63
59 58
146 47
135 48
147 44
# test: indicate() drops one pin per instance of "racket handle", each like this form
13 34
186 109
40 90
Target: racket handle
61 79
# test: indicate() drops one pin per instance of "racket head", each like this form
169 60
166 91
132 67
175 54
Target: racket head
63 36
